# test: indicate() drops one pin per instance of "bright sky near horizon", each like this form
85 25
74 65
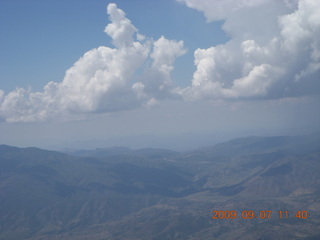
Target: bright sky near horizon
101 70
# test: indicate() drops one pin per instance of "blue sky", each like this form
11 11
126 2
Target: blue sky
209 69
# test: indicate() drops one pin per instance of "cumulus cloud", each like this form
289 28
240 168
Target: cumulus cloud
104 79
121 30
156 81
273 51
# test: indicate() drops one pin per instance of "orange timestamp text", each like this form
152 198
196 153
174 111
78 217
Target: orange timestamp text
265 214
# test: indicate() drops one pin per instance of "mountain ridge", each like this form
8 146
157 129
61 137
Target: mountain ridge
161 194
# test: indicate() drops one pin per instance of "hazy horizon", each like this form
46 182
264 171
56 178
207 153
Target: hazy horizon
176 74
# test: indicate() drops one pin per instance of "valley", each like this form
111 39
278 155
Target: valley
120 193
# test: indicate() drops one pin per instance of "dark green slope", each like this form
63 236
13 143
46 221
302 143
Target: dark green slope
161 194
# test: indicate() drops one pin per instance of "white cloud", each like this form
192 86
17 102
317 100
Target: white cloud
100 80
103 80
221 9
156 79
274 50
120 30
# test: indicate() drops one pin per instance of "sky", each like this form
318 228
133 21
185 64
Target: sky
174 73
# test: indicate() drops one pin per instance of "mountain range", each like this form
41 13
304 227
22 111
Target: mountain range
121 193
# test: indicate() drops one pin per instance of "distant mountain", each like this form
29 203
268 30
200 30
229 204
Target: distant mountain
120 151
120 193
